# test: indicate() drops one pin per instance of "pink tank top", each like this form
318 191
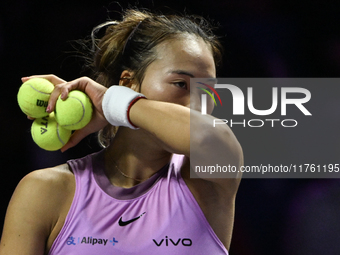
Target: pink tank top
158 216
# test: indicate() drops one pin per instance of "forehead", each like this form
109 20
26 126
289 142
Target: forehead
186 52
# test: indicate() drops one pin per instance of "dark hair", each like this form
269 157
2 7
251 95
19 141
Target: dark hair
130 45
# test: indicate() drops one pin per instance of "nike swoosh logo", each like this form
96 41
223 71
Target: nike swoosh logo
124 223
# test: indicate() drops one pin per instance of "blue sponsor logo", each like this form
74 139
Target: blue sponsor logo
90 240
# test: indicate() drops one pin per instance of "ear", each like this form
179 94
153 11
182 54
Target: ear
126 79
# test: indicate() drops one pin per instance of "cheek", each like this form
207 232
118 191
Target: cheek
159 91
151 87
154 91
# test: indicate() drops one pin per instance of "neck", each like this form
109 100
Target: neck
133 157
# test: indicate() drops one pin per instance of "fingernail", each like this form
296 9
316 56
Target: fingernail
48 109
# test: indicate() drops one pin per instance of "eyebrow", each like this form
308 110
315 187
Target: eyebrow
182 72
214 80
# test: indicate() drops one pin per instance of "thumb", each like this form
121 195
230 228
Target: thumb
96 124
76 137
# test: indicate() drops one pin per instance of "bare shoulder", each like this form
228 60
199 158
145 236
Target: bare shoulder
46 183
38 203
53 174
59 175
50 183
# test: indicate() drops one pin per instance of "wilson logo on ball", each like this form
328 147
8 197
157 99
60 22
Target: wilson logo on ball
42 103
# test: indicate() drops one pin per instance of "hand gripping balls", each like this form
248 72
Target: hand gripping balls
48 134
75 112
52 131
33 97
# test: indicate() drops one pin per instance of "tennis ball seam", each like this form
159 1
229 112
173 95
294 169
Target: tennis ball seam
82 117
38 90
58 134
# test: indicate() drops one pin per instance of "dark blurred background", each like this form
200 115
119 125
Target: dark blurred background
262 38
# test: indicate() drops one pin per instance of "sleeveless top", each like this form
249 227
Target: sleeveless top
157 216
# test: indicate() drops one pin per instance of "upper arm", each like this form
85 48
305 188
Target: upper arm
215 153
32 213
215 192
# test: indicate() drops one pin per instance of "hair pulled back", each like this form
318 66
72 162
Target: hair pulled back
130 45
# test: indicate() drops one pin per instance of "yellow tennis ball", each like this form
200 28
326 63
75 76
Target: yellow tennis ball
48 134
75 112
33 97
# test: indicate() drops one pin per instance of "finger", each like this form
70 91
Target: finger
62 90
56 81
93 89
76 137
97 123
79 84
50 77
58 89
23 79
30 118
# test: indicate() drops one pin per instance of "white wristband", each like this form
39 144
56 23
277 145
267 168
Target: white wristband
116 105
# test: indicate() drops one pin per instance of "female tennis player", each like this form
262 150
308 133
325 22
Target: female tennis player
136 195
